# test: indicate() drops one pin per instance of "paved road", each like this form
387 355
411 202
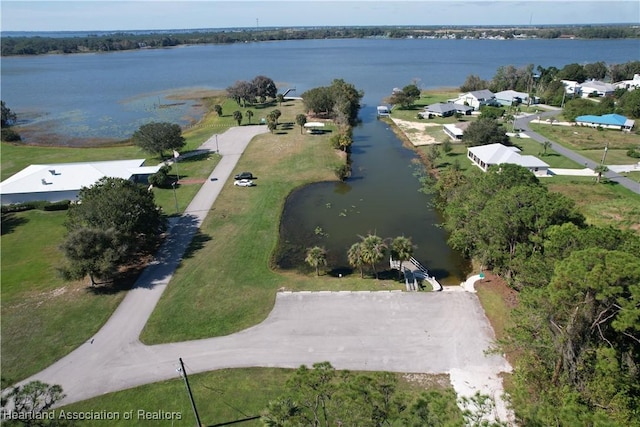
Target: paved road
523 123
394 331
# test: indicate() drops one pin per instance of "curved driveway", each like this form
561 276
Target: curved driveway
523 123
445 332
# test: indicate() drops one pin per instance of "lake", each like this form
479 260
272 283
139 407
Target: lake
95 97
109 95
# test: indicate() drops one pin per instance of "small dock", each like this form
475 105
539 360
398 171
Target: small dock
414 273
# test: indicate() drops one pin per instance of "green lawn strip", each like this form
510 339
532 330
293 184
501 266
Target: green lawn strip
221 397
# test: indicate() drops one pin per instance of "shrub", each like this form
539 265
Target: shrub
161 178
343 172
9 135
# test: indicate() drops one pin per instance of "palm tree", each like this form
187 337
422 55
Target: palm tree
316 256
280 98
401 250
545 146
373 250
301 119
249 115
600 170
354 256
237 115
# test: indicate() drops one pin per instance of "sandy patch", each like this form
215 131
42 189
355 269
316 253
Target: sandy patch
416 132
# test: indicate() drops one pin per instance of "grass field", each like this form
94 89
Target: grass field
590 142
221 397
43 317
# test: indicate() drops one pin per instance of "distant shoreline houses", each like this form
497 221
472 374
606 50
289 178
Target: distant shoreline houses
596 88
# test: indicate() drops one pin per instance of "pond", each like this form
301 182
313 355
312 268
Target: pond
382 196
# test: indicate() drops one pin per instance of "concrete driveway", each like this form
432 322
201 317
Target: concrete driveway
444 332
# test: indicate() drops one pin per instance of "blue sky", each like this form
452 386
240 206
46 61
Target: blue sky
61 15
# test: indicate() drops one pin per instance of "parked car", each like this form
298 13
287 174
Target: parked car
244 175
244 183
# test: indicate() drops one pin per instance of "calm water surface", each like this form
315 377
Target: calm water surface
108 96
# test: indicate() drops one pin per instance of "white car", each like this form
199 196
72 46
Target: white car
244 183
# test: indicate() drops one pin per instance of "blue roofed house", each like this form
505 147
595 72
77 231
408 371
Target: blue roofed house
485 156
63 181
607 121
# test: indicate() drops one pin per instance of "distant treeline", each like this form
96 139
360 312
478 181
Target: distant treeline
35 45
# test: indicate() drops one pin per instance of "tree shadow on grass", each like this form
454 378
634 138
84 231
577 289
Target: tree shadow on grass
10 221
198 242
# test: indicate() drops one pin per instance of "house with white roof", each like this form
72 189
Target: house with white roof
444 109
571 87
476 99
63 181
456 130
629 84
485 156
511 97
596 88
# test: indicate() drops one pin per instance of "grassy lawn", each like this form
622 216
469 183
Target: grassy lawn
43 317
602 204
590 142
227 285
221 397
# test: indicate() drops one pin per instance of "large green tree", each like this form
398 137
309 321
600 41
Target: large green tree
578 341
485 131
340 101
122 209
158 137
92 252
406 97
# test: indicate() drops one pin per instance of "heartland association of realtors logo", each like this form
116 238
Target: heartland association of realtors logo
61 414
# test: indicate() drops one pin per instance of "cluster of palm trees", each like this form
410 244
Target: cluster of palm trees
369 251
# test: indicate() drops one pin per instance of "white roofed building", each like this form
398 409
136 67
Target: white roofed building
63 181
485 156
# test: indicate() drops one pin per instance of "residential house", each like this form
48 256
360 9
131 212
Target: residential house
596 88
456 130
629 84
512 97
444 109
607 121
63 181
485 156
476 99
571 87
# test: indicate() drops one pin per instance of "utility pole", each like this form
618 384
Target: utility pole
186 382
175 197
604 156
